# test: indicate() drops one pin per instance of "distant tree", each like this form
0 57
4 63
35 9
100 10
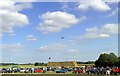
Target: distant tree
36 64
9 64
88 62
113 59
106 60
40 64
102 60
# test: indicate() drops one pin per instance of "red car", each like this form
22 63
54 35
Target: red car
115 70
78 71
38 71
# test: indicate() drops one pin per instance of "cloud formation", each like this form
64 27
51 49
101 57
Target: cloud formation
73 51
56 21
105 31
10 16
31 38
98 5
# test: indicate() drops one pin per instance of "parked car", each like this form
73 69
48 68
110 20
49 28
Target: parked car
78 71
53 69
115 71
93 70
38 71
4 70
27 70
69 69
22 70
61 71
101 70
15 70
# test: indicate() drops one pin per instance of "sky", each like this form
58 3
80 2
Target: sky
64 31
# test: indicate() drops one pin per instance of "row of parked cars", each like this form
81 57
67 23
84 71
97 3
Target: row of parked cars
38 70
92 70
21 70
88 70
102 70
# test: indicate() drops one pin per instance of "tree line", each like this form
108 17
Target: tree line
87 62
40 64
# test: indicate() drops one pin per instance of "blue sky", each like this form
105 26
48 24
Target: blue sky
32 32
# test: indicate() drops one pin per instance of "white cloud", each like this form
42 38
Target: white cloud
110 29
98 5
94 35
11 17
23 5
31 38
12 47
51 47
94 32
105 31
73 51
56 21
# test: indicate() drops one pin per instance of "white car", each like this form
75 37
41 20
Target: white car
22 70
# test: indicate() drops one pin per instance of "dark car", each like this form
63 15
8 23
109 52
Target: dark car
4 70
100 70
93 70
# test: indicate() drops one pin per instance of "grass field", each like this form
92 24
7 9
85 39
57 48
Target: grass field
53 75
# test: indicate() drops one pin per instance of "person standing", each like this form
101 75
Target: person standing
107 71
32 70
